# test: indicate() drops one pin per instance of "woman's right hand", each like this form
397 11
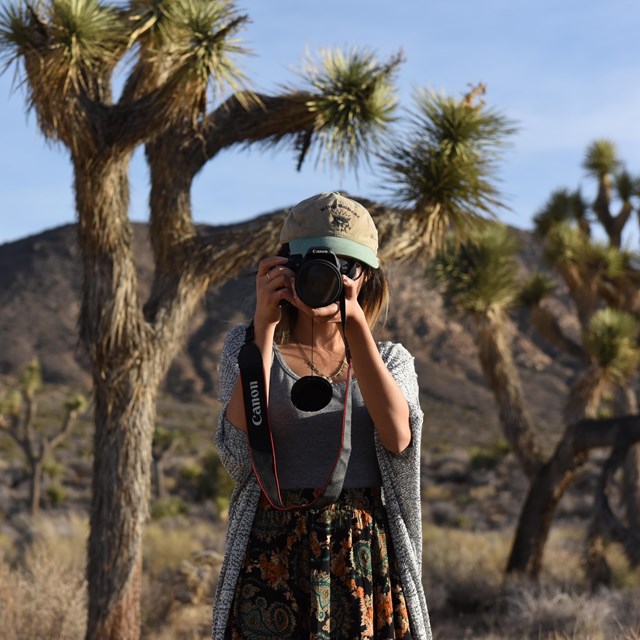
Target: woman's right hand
273 285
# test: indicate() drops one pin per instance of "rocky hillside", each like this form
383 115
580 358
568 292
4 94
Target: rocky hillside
40 280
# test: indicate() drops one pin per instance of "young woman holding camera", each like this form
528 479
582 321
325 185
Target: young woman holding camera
325 536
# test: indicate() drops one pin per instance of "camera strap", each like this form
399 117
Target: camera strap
260 436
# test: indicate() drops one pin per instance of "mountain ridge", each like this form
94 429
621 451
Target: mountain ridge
41 279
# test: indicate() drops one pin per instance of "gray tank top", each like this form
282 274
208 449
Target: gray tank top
307 443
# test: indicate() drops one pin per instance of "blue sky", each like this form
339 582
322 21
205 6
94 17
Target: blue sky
566 70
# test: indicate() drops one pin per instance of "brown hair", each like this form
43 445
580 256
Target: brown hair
373 298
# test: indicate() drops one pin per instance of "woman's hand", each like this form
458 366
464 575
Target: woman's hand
331 313
273 285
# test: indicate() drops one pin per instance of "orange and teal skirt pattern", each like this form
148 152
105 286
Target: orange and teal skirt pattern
320 574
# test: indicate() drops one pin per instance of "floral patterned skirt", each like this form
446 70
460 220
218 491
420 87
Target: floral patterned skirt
316 574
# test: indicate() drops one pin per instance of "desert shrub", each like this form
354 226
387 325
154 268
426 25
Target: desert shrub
168 507
44 595
463 570
54 469
541 611
56 494
169 542
488 457
209 480
624 575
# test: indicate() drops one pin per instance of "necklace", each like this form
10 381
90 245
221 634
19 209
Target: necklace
338 372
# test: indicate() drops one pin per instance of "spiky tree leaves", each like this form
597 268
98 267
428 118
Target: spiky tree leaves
444 168
353 101
479 279
68 50
610 341
603 163
481 273
562 207
195 42
601 158
532 297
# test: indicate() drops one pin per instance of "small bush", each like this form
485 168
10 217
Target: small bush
209 480
56 494
168 507
43 597
490 456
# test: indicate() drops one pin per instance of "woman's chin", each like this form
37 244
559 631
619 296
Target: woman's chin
330 313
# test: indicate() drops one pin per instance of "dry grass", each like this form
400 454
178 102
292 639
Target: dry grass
469 597
42 587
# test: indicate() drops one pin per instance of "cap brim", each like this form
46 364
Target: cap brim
339 246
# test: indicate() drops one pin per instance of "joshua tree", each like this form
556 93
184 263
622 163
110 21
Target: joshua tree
477 275
18 414
480 280
184 55
603 163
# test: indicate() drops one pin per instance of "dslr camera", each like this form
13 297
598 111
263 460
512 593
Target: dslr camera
319 275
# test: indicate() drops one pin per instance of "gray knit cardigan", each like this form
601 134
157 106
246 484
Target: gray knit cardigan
400 489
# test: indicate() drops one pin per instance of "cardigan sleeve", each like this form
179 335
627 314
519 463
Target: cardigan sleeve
401 471
230 441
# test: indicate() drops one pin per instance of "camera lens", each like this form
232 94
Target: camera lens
318 283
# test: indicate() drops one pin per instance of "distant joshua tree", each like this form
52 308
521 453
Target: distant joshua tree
18 413
480 279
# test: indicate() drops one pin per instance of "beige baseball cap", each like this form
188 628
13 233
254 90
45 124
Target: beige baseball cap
334 221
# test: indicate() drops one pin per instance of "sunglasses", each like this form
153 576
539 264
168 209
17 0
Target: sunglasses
350 268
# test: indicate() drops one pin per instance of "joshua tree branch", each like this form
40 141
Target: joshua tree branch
554 476
549 328
64 431
607 521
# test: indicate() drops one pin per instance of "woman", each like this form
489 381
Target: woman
350 569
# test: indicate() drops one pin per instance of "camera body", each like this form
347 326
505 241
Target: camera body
318 276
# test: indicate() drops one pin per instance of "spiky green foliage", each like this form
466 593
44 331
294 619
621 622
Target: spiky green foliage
611 342
535 289
163 438
566 245
16 34
626 186
563 206
601 158
11 404
355 103
445 167
480 273
204 45
31 379
68 49
76 404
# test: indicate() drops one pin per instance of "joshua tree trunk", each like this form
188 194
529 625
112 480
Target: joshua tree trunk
500 371
125 417
537 513
36 486
553 477
124 393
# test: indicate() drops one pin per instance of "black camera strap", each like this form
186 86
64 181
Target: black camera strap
260 436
